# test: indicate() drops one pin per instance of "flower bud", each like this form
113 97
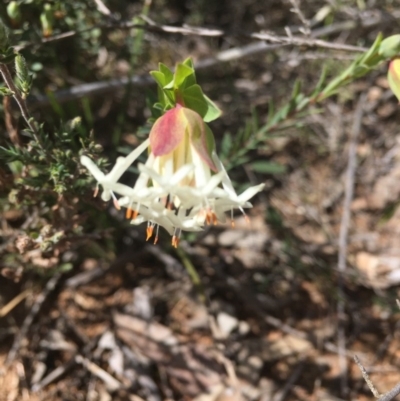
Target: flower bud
14 12
390 47
394 77
47 19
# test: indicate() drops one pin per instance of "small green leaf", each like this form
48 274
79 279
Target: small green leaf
213 111
5 91
169 76
159 77
320 82
390 47
7 55
226 144
24 78
189 62
193 98
267 167
296 88
181 73
367 58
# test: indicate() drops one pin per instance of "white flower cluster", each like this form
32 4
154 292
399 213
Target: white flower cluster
172 193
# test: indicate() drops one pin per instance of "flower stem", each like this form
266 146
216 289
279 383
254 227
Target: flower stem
191 270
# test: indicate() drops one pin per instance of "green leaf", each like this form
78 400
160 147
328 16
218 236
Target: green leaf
320 82
7 56
373 50
226 144
169 76
360 70
390 47
296 88
4 91
181 73
213 111
159 77
189 63
267 167
193 98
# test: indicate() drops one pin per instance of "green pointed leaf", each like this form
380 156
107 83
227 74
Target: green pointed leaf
4 91
213 111
390 47
169 76
268 167
159 77
158 106
181 73
296 88
193 98
189 62
226 144
320 82
373 50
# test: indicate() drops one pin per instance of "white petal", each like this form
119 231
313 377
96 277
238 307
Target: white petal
123 163
226 181
250 192
94 170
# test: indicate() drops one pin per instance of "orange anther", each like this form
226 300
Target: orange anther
135 214
96 191
175 241
129 212
149 232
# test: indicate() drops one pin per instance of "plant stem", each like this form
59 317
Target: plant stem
191 270
5 72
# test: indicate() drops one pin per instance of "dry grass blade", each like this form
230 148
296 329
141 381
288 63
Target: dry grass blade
14 302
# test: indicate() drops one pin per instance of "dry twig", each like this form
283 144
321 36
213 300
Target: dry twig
51 284
371 386
306 29
276 42
388 396
343 238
